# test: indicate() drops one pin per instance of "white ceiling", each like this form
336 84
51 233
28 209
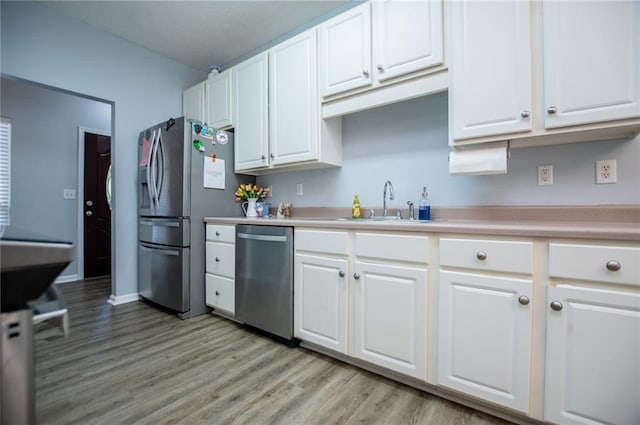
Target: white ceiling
198 34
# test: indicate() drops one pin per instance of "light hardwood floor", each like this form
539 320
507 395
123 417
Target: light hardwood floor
135 364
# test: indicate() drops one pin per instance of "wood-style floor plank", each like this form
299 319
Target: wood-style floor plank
137 364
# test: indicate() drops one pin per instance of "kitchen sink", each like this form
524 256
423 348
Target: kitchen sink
375 219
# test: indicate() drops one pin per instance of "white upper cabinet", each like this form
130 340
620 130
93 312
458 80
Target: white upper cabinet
490 68
377 41
293 100
193 102
345 52
407 37
250 91
591 61
218 100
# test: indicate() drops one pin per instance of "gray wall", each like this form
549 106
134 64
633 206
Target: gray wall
44 152
407 144
41 45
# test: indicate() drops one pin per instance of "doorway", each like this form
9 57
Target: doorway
94 204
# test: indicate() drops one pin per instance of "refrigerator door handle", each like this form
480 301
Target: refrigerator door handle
159 223
149 164
160 163
161 251
154 174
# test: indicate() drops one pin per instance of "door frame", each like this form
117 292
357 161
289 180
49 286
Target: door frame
80 191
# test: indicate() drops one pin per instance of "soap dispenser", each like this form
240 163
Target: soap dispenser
355 209
424 206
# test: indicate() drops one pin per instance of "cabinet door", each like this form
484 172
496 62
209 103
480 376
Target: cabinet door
484 337
193 102
293 100
320 304
345 51
591 75
251 113
218 100
491 68
390 317
593 356
407 37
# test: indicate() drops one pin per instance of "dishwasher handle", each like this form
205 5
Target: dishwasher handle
266 238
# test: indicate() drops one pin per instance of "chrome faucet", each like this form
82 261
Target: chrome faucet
387 184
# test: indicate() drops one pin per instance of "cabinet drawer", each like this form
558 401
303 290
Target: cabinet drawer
594 262
221 232
504 256
221 259
392 247
321 241
220 292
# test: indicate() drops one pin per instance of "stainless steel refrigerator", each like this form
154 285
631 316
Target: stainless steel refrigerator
172 202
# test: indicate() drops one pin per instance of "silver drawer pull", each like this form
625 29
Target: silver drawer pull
217 292
613 266
356 276
341 273
556 305
217 233
481 255
217 259
523 299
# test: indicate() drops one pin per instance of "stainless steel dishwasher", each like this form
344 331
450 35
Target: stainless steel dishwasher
264 279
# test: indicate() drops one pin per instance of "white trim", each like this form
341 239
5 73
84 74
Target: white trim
67 278
80 197
123 299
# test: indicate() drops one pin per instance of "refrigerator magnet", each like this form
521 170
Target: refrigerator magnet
222 137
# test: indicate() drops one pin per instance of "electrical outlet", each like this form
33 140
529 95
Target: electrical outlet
299 190
69 194
606 171
545 175
270 192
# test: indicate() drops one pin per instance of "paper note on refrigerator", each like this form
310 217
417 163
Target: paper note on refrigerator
213 173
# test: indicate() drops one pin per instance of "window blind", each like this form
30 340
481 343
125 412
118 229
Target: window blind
5 170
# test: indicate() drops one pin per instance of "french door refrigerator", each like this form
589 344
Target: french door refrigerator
172 202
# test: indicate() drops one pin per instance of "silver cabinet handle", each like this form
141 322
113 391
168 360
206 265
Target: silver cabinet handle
272 156
525 114
264 157
217 292
88 213
380 68
556 305
613 266
217 259
552 110
365 73
356 276
523 299
481 255
217 233
89 203
341 273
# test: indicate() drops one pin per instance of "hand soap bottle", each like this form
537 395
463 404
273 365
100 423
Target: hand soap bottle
424 206
355 209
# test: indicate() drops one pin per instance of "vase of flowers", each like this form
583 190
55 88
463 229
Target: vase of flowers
249 194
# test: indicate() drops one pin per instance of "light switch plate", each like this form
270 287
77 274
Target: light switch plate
299 189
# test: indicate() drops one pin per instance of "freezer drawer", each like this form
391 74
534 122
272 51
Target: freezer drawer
163 275
164 231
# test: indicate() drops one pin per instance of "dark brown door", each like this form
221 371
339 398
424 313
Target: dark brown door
97 214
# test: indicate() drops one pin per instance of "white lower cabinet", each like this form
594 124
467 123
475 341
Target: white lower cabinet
320 290
390 316
485 318
484 343
353 297
593 352
220 258
592 372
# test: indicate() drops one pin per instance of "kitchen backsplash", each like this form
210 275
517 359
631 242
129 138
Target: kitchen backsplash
407 144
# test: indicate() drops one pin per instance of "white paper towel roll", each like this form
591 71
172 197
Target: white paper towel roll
478 161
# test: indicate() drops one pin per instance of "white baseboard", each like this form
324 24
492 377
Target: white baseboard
123 299
66 278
